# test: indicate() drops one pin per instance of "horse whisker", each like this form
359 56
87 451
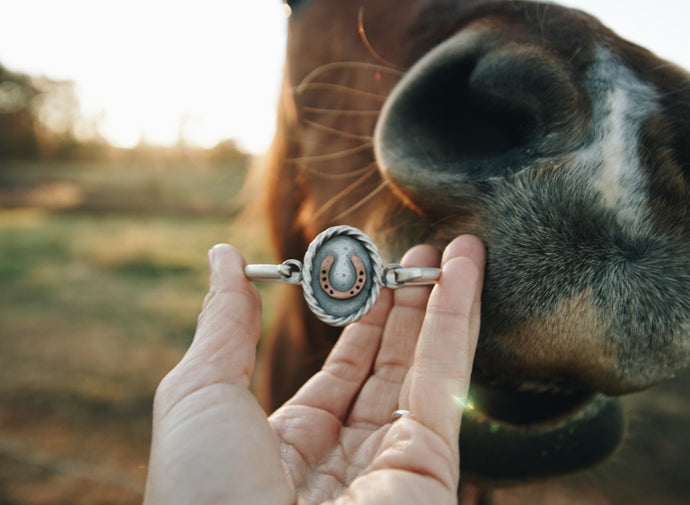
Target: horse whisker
335 176
332 156
367 44
344 112
336 131
340 195
356 65
339 87
363 201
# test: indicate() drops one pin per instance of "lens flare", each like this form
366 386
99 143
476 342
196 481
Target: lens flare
463 403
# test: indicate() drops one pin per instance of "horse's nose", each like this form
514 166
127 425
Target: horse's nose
475 108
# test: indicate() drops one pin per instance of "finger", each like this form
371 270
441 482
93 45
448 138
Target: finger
469 247
442 365
379 396
228 328
335 386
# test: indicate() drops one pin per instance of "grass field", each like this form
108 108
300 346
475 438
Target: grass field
102 274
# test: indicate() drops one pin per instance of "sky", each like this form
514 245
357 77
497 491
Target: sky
210 69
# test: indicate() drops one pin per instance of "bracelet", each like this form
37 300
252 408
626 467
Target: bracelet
342 275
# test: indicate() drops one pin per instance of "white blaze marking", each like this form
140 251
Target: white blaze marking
622 103
621 167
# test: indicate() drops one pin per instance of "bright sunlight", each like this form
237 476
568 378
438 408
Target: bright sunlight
159 72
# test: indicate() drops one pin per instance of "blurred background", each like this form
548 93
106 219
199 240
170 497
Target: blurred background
126 131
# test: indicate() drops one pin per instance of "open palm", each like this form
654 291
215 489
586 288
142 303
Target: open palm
334 441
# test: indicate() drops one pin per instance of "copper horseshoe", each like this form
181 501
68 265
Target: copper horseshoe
357 285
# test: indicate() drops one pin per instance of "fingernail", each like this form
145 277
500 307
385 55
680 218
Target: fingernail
211 254
213 262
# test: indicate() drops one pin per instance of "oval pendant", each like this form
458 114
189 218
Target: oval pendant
342 275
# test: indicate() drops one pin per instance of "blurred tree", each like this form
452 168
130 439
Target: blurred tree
56 113
227 151
18 135
41 117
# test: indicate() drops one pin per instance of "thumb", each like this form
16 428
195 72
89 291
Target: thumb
228 328
229 325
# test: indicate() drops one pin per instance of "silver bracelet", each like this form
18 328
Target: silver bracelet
342 275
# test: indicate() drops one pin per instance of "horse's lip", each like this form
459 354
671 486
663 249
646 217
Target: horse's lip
534 436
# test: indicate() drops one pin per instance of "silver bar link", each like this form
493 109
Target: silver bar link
395 276
289 271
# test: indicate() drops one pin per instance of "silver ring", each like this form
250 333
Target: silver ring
398 414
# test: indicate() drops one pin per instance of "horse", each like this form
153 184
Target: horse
564 147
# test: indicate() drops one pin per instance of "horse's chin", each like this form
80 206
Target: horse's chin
511 436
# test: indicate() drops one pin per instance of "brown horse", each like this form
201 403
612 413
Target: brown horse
561 145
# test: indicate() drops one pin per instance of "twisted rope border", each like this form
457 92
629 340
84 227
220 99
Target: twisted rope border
377 275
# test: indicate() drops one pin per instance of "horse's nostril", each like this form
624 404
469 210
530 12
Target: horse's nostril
453 117
474 110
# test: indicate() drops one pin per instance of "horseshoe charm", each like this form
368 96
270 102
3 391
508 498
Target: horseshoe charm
358 279
342 275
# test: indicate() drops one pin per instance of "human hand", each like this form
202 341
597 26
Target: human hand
334 440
